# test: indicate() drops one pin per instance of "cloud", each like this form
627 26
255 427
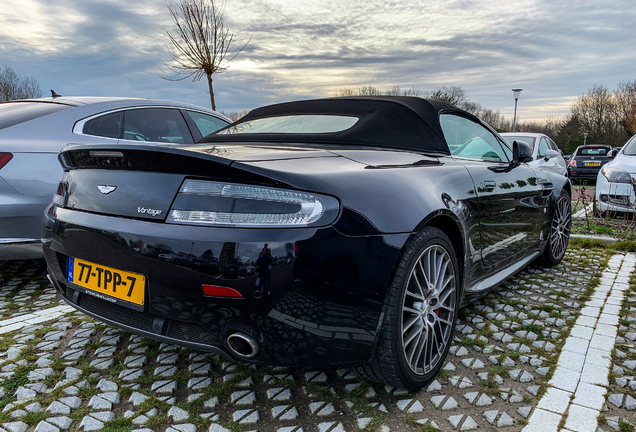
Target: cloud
299 49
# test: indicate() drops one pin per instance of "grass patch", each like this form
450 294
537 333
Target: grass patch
361 405
474 342
156 422
118 425
19 378
43 331
33 418
320 390
6 342
412 422
625 426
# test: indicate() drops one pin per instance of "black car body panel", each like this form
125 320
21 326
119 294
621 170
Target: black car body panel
325 292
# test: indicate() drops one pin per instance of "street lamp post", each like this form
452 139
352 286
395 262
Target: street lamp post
515 93
584 137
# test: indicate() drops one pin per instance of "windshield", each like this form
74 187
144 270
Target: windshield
630 147
299 124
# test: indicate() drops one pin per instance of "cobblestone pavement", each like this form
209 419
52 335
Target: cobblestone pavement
69 372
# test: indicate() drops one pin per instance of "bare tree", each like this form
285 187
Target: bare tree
200 41
599 114
14 86
626 99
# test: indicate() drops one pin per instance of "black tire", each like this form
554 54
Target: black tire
559 236
404 358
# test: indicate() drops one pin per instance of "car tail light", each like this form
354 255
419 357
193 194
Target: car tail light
220 291
4 159
238 205
573 163
61 194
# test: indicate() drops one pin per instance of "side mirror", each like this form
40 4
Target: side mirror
612 154
550 154
521 152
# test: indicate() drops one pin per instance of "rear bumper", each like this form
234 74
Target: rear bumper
319 304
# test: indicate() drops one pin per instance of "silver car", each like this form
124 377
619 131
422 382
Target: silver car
32 133
545 153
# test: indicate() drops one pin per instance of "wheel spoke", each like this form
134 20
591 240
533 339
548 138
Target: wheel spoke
412 320
425 337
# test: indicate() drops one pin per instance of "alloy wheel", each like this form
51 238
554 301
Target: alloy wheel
560 228
429 309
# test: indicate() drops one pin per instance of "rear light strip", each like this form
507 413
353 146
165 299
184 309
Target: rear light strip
4 159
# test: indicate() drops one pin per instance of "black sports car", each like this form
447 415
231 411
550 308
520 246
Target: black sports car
365 233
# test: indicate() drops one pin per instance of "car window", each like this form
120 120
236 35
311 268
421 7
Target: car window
289 124
13 113
156 125
469 139
595 151
543 147
108 126
553 145
206 123
630 148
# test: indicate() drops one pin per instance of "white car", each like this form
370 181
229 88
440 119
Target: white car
545 153
615 181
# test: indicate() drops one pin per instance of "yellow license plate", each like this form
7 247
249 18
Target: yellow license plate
107 281
592 164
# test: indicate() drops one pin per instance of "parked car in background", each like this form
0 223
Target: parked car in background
545 153
369 233
587 161
615 181
32 133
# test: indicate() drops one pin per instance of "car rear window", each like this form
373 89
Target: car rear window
289 124
593 151
13 113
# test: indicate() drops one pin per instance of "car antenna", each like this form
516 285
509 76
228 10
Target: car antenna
54 95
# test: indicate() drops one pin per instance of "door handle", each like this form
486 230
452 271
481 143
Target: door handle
488 185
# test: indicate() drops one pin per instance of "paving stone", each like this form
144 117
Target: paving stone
24 393
450 404
104 416
455 419
248 416
199 383
177 414
89 423
167 358
15 426
211 403
58 408
616 399
165 371
71 401
505 420
524 411
46 427
137 398
484 400
130 374
140 420
630 403
107 386
215 427
469 424
102 363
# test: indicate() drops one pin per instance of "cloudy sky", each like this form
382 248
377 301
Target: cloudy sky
297 49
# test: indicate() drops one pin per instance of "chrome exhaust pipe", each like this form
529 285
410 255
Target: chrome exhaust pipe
243 345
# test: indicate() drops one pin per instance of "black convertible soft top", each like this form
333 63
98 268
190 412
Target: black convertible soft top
384 121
